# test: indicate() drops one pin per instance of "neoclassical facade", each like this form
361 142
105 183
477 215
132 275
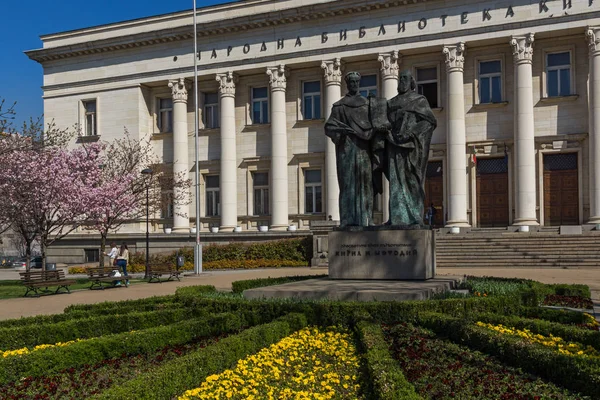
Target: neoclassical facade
515 86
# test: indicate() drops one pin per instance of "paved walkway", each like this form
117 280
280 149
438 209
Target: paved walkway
23 307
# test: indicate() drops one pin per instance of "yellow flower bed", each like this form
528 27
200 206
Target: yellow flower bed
557 343
309 364
25 350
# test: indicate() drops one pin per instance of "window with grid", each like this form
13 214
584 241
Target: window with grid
313 193
261 193
311 100
211 110
91 123
91 255
427 84
165 115
260 105
368 85
213 202
558 74
490 82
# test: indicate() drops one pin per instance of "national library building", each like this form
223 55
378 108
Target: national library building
514 85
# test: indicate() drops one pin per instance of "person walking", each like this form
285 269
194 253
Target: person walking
431 214
122 260
114 251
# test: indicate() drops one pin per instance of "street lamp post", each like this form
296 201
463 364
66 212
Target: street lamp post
147 171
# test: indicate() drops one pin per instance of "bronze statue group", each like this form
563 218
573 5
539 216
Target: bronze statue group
374 137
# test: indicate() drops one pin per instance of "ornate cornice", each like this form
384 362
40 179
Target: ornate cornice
244 24
592 34
227 83
179 88
333 70
278 77
455 57
390 64
522 48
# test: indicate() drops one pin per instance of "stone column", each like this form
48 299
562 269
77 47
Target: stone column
279 159
333 92
525 191
389 77
593 36
456 136
181 218
228 174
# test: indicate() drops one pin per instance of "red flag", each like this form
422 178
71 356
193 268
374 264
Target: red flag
474 159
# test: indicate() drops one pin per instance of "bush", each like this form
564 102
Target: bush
120 304
52 360
79 314
173 378
563 289
50 333
240 286
296 252
387 379
78 269
251 264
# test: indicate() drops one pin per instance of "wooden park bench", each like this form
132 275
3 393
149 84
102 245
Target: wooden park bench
35 280
100 275
157 271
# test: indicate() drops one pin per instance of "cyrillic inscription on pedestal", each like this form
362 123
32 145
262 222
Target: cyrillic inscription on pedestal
382 254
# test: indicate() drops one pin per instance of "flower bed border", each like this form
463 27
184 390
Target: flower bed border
53 360
387 378
545 328
94 326
179 375
574 373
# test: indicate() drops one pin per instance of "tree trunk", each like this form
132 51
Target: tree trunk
102 247
28 255
43 247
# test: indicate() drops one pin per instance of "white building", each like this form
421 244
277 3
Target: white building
515 86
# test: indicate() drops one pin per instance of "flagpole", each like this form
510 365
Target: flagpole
198 247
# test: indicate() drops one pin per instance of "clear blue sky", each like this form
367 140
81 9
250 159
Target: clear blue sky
25 20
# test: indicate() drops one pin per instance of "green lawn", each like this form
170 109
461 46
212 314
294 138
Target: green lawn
14 288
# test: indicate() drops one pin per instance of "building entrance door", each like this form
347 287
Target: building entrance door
434 192
492 192
561 190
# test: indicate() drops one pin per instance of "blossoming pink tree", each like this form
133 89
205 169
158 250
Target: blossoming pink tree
48 192
120 196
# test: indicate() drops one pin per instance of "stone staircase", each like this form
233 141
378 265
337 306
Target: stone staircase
489 248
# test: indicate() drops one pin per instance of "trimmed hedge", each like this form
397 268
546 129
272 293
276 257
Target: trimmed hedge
560 316
52 360
51 333
327 313
546 328
575 373
387 378
188 372
118 304
79 314
240 286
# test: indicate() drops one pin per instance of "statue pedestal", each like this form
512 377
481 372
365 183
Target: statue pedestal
382 252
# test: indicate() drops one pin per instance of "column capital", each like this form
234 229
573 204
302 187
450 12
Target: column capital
179 87
455 57
389 64
333 71
522 48
592 34
278 77
227 81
